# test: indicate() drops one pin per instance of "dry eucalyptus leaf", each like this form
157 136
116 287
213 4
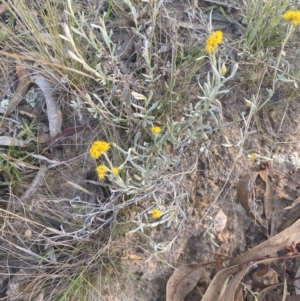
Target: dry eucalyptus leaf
244 191
183 281
239 294
294 215
297 201
23 83
225 284
53 110
218 285
272 245
262 294
268 194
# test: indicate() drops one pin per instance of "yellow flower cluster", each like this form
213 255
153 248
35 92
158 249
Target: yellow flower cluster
292 16
98 148
101 171
213 41
156 213
156 130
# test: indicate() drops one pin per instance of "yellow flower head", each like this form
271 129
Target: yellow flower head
98 148
101 171
156 130
115 171
213 41
223 69
292 16
156 213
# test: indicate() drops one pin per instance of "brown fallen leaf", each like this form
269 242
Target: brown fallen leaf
294 215
23 84
225 284
262 294
183 280
269 193
271 246
239 294
218 285
295 202
244 192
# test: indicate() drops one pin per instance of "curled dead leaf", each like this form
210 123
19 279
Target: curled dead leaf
183 281
53 110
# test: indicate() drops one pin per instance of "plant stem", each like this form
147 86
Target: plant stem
289 33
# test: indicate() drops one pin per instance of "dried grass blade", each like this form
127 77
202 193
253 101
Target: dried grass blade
34 185
22 87
78 187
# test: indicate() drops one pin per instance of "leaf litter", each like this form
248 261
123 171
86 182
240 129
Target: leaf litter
226 282
246 197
